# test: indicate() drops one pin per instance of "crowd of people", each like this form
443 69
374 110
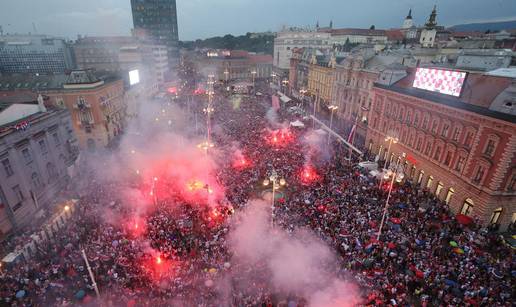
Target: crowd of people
176 253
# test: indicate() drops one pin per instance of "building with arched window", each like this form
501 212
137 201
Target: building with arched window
462 149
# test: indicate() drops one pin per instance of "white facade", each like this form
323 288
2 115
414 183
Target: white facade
427 39
286 41
354 38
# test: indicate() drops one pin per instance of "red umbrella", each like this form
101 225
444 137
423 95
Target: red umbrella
395 220
463 219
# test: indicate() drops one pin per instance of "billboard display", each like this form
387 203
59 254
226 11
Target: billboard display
448 82
134 77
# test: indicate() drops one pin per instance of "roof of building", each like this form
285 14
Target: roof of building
503 72
394 35
480 91
261 58
355 31
31 82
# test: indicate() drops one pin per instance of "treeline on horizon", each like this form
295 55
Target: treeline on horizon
259 44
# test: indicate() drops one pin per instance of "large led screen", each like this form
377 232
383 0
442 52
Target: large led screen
448 82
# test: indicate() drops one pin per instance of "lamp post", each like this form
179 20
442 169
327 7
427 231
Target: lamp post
391 140
303 92
397 175
316 102
285 84
332 108
226 75
253 74
276 184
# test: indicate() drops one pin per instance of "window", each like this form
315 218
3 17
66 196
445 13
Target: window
460 164
434 126
18 192
36 180
437 154
428 148
56 138
26 155
468 139
51 170
512 183
425 123
479 175
420 176
7 167
43 146
495 217
449 195
416 120
490 148
467 207
439 188
429 182
447 159
444 133
419 144
456 134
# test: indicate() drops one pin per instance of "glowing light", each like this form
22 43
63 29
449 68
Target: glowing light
172 90
133 151
155 178
158 260
309 175
67 208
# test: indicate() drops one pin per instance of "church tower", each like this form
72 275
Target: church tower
429 33
408 23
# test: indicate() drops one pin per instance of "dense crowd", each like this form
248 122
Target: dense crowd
174 252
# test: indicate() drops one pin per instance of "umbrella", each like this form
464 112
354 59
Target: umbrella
80 294
20 294
459 251
395 220
463 219
453 243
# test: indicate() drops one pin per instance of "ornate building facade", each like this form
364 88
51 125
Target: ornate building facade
463 150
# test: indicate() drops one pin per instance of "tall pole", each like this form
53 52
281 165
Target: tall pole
94 283
272 202
352 140
387 201
316 101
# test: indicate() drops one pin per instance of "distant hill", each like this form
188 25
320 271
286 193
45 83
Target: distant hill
482 27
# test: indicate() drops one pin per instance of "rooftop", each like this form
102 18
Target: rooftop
481 94
355 31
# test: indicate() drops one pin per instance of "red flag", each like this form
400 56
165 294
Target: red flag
275 102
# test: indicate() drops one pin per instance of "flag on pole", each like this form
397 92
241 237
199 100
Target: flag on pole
352 133
275 102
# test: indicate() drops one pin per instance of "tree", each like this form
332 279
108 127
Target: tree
372 27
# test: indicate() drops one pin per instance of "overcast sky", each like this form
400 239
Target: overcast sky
206 18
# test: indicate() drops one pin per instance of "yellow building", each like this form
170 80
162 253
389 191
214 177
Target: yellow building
321 76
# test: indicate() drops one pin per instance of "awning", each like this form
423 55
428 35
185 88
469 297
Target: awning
297 123
285 99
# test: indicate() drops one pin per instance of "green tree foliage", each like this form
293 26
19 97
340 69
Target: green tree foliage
246 42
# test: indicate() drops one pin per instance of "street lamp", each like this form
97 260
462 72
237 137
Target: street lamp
396 174
332 108
391 140
276 184
226 74
253 74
